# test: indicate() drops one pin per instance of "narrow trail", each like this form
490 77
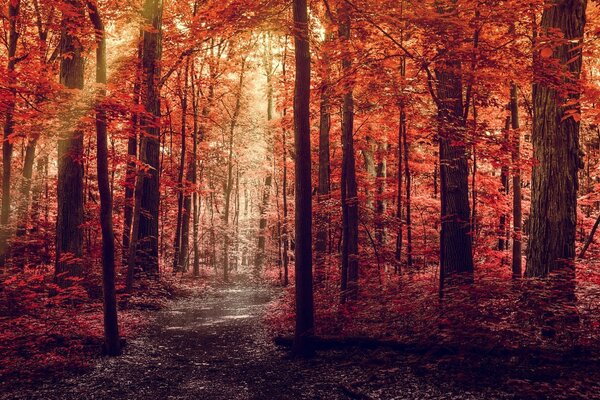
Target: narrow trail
217 347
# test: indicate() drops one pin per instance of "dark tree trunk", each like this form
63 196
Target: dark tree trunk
111 326
455 243
181 196
590 238
324 187
556 144
409 247
147 238
399 179
516 160
349 284
303 245
502 243
132 146
69 235
9 124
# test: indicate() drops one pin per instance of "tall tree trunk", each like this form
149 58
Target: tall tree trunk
324 186
132 147
380 181
408 180
228 186
260 251
399 179
147 238
9 126
177 258
502 243
111 326
349 284
285 229
69 235
455 243
516 160
303 249
556 143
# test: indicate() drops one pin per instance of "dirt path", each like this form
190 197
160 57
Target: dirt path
216 347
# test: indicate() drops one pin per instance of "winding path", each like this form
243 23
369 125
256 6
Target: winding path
216 347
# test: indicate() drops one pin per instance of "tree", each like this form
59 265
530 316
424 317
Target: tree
556 139
456 256
112 341
9 123
349 284
69 235
147 235
303 218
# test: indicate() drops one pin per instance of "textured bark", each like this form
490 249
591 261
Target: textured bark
516 159
455 242
504 171
112 343
9 123
147 235
399 179
181 196
304 328
556 145
349 280
409 247
324 184
132 147
69 235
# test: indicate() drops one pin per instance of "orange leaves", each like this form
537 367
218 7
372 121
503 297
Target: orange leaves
546 52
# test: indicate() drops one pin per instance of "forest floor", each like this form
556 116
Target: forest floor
216 346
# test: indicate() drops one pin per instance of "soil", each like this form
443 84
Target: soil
216 346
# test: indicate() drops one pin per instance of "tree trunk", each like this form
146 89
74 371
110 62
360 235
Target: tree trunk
456 255
111 326
9 124
181 196
324 185
349 284
303 247
399 179
132 146
69 235
409 247
147 239
516 160
556 144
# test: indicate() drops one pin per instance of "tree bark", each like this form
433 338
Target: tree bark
132 148
9 124
112 341
324 185
304 328
69 234
516 160
181 196
556 144
147 239
455 245
349 283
